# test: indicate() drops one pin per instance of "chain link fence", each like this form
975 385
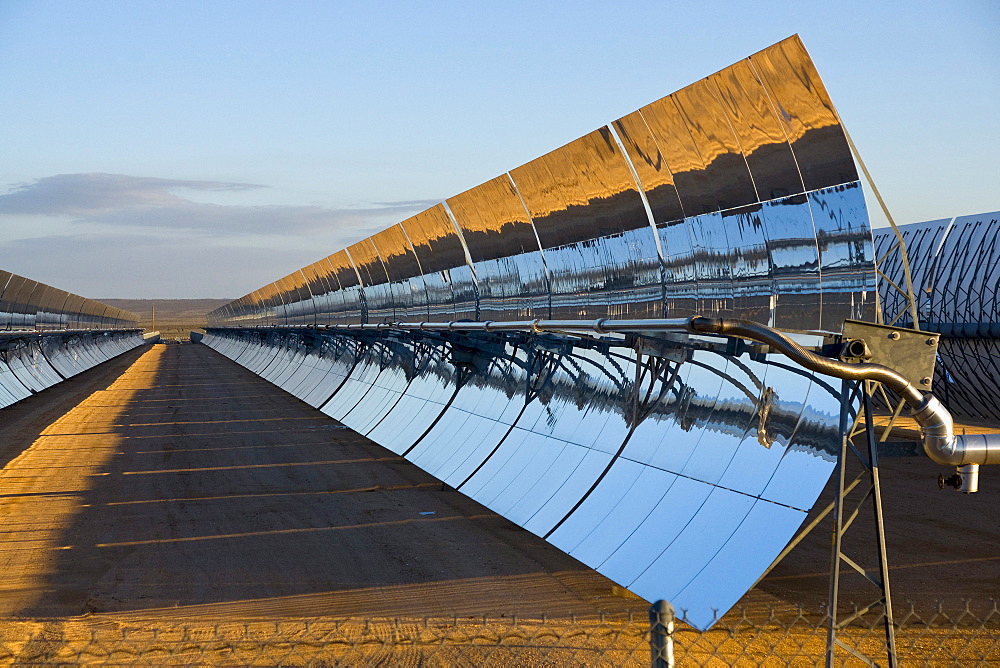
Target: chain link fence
943 635
964 635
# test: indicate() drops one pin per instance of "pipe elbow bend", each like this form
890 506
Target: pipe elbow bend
944 447
938 430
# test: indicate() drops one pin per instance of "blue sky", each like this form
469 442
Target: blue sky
202 149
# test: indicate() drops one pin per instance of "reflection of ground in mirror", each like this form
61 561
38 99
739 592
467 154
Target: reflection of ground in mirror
941 545
232 500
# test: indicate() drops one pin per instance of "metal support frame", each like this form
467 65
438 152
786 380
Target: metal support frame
846 511
850 496
909 305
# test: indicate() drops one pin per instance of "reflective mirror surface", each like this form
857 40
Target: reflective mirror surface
679 477
955 265
48 335
736 196
676 470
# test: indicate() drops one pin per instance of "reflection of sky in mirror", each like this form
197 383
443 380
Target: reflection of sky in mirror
625 461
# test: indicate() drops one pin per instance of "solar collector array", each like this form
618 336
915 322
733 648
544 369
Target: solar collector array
678 475
736 195
48 334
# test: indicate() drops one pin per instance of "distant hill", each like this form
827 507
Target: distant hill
175 318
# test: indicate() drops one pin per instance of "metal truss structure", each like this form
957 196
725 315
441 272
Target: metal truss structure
956 269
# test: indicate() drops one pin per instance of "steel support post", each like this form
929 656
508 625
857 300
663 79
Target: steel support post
845 511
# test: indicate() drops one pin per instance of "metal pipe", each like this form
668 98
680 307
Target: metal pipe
940 442
810 360
601 325
969 475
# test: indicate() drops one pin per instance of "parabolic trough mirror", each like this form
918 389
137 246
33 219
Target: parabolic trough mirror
955 266
676 465
48 335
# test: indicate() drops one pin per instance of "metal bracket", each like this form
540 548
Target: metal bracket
913 354
680 346
673 347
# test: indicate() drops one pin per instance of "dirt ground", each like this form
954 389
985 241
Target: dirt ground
171 484
941 545
188 486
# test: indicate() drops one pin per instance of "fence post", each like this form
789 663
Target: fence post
661 635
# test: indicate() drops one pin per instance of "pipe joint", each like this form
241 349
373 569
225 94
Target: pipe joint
941 443
938 431
965 479
699 324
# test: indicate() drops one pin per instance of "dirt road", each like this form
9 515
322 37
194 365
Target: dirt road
188 486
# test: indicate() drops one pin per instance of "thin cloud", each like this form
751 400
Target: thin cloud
408 203
128 266
79 195
148 204
128 236
212 219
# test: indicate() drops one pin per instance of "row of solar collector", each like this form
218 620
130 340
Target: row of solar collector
955 268
28 306
527 432
680 476
735 195
48 335
30 363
